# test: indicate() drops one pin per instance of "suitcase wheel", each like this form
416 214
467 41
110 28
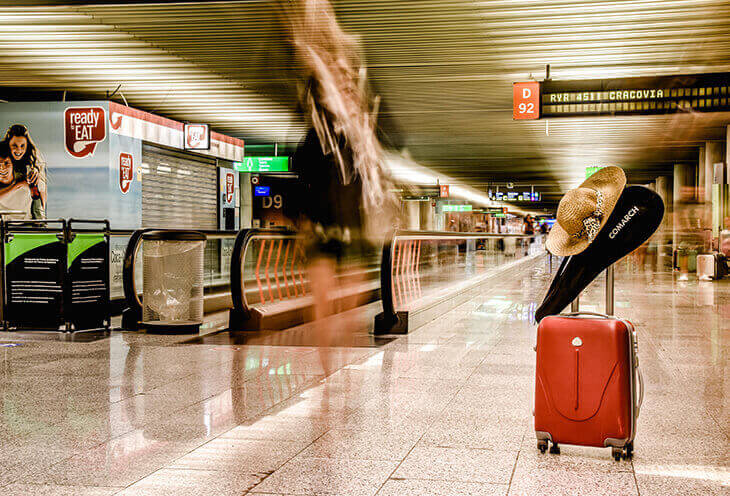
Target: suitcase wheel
629 451
555 449
616 453
626 452
542 445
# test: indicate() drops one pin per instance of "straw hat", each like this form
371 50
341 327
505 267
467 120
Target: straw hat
583 211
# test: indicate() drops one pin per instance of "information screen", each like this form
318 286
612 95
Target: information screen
262 191
636 96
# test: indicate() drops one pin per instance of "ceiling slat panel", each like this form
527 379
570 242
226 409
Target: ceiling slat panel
443 68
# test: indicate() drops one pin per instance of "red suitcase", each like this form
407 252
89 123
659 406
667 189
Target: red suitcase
586 382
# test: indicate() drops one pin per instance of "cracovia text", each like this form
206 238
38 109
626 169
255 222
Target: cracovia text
633 211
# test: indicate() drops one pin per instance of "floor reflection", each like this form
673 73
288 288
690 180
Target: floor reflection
341 338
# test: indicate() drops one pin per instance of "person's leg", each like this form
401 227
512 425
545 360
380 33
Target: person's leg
322 280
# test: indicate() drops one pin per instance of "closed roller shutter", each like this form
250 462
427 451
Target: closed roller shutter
179 190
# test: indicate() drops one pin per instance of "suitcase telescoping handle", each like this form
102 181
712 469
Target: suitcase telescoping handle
639 375
575 304
640 401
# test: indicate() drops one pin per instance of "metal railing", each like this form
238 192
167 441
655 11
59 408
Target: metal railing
418 264
275 259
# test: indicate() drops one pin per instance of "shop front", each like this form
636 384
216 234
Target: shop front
131 167
102 160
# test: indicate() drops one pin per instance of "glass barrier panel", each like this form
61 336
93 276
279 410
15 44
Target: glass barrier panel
424 265
273 269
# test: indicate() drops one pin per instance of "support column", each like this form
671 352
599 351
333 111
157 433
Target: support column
714 153
246 213
685 228
684 183
701 176
412 214
428 216
664 249
725 189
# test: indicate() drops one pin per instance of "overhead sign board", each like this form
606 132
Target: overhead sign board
526 100
524 196
263 164
457 208
636 96
497 210
444 191
197 137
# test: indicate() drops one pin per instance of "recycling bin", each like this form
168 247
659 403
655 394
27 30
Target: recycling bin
172 274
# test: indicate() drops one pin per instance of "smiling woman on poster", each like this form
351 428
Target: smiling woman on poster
15 195
28 164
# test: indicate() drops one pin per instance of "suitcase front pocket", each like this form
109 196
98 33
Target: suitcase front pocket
583 365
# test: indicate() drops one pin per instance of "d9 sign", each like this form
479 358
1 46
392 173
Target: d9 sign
526 100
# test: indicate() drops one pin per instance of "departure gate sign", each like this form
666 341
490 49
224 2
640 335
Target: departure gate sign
636 96
526 100
263 164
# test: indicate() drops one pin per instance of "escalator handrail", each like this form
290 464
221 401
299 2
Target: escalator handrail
240 246
386 265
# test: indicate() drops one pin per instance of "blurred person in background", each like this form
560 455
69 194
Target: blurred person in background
528 226
343 197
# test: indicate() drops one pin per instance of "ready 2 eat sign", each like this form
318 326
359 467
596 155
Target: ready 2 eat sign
126 172
526 100
230 187
84 128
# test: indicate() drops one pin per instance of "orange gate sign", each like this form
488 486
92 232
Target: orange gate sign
526 100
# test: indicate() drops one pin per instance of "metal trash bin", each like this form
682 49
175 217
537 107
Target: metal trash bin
172 273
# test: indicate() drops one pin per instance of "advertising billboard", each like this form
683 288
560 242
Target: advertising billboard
68 162
228 199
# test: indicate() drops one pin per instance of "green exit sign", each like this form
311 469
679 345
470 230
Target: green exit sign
457 208
263 164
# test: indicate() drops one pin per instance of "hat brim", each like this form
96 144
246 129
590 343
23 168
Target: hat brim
610 181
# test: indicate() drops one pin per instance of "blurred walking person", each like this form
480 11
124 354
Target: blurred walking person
342 186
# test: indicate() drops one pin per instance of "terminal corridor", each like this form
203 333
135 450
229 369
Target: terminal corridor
444 410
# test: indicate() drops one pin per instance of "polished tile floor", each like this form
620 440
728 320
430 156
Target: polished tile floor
442 411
